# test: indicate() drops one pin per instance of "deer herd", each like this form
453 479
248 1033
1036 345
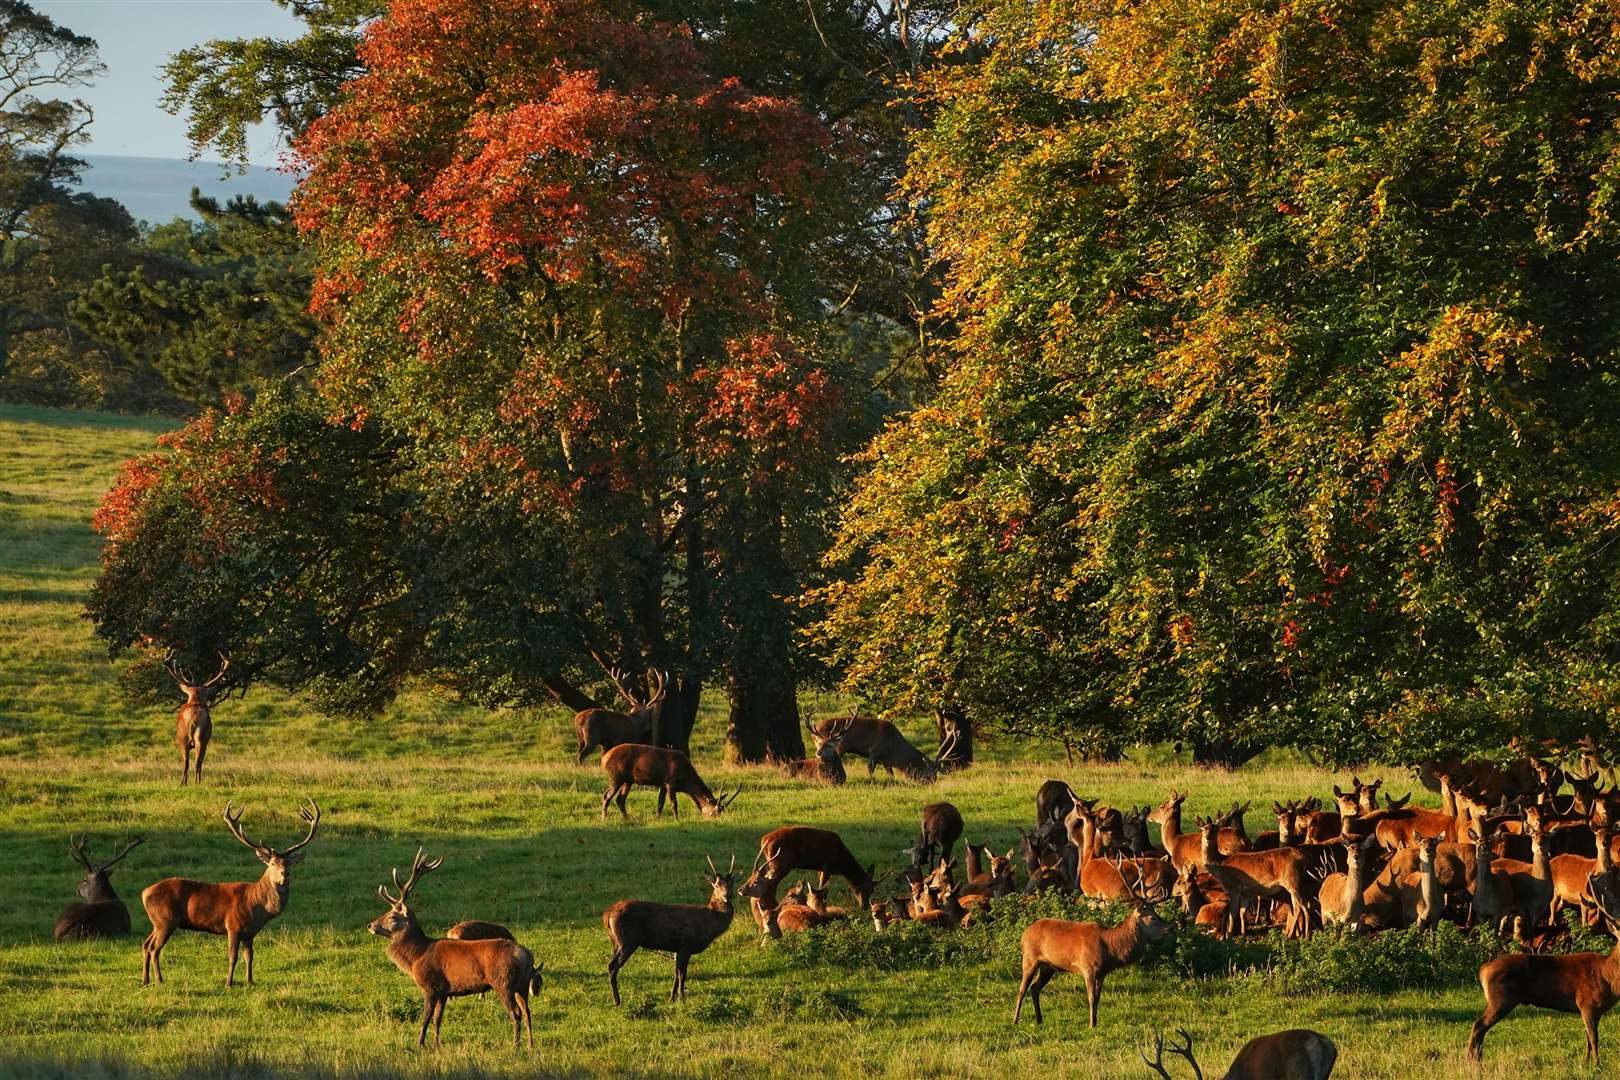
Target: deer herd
1508 849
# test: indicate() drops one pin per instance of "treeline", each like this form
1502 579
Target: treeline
1238 377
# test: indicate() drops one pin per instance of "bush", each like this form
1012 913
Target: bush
1339 962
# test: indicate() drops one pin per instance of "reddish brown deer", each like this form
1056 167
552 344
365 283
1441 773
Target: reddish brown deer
443 968
1086 949
238 909
1340 894
478 930
1249 874
800 847
101 912
1570 874
607 729
1207 908
194 723
670 771
681 929
1185 848
1585 982
1300 1054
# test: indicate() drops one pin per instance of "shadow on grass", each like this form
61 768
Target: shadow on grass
241 1066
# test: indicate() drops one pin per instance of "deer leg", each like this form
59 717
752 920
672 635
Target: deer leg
438 1021
1093 994
676 989
1494 1013
202 751
584 751
528 1021
662 792
675 803
620 957
1031 972
427 1018
247 944
1589 1017
624 794
233 942
160 938
185 763
606 799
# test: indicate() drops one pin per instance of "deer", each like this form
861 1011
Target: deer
1492 902
1245 874
1531 882
827 764
1113 878
194 722
1086 949
880 742
816 901
101 913
1053 801
478 930
1587 983
607 728
1299 1054
941 829
1208 911
1422 902
1183 847
993 883
238 909
1570 874
443 968
1340 895
801 847
670 771
681 929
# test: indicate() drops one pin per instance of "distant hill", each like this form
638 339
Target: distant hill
157 190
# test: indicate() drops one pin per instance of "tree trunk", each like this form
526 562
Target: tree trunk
569 694
764 715
679 715
1224 753
951 722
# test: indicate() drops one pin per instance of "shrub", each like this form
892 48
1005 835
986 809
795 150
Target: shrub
1338 961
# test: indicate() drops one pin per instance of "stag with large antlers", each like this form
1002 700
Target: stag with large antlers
194 723
682 929
1086 949
444 968
607 729
827 764
800 847
881 743
670 771
101 913
1300 1054
238 909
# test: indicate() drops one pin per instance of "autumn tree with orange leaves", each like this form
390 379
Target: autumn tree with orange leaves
575 322
1284 411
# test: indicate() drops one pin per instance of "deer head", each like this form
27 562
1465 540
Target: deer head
398 916
646 708
198 693
277 863
95 886
722 887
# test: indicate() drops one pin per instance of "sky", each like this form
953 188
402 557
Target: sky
136 37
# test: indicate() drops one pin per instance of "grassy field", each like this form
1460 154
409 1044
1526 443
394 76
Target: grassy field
496 794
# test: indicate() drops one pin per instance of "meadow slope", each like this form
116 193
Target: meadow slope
497 795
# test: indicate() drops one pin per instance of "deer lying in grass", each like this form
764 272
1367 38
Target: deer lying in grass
826 765
670 771
681 929
1207 909
800 847
238 909
607 729
100 913
1086 949
194 722
1246 875
1299 1054
1586 983
444 968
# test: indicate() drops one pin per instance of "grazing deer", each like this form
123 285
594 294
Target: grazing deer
800 847
1183 847
238 909
101 913
682 929
881 743
1299 1054
941 829
607 729
670 771
1585 982
194 723
478 930
1086 949
1252 874
443 968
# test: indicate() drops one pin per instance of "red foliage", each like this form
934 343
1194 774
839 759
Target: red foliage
119 513
769 399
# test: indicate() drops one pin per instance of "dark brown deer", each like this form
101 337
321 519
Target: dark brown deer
443 968
607 729
1086 949
194 723
1587 983
826 765
941 829
670 771
881 743
1300 1054
681 929
238 909
800 847
101 913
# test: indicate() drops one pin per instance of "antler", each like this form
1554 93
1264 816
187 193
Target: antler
657 681
616 677
419 867
726 800
224 666
116 859
1184 1050
313 820
80 855
233 822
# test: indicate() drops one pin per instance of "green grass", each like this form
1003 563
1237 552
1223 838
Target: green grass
524 845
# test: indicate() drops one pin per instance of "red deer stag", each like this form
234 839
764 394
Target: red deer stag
101 913
941 829
670 771
1299 1054
1585 982
800 847
238 909
443 968
1086 949
607 729
826 765
881 743
194 723
681 929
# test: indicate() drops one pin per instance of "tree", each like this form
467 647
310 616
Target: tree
215 307
1282 409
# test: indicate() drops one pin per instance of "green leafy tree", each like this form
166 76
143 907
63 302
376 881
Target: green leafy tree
1283 409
